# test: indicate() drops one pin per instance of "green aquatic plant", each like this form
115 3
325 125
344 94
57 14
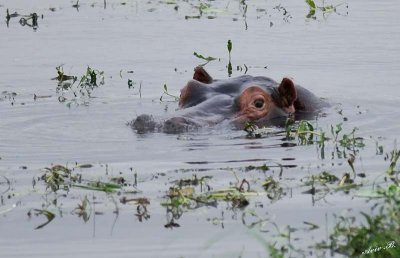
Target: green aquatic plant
304 131
61 177
62 77
166 93
99 186
229 46
376 236
207 59
322 178
194 181
325 9
58 176
42 212
394 157
350 141
77 93
273 189
229 66
83 210
253 131
237 197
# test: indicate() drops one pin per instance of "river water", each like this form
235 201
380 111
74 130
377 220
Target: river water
351 57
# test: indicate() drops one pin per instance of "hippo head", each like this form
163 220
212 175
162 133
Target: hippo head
207 101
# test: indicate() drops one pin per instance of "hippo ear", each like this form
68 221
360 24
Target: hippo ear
288 94
201 75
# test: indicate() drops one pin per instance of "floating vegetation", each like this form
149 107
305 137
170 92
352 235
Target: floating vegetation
59 177
325 9
132 85
253 131
167 94
205 9
83 210
78 93
237 197
42 212
186 197
30 20
246 197
273 189
9 96
286 15
394 157
141 203
229 66
194 181
305 133
322 178
207 59
264 167
99 186
378 234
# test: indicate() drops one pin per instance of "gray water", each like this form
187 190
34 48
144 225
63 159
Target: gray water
351 58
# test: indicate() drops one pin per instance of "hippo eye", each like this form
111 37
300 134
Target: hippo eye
259 103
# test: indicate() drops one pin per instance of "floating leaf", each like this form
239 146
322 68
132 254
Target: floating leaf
311 4
208 59
99 186
49 215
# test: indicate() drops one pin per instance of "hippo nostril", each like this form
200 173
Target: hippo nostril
259 103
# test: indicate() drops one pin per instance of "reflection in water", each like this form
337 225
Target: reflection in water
30 20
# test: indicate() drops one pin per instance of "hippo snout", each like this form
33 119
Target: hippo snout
143 124
178 125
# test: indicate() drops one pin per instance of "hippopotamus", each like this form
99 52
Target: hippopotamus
255 99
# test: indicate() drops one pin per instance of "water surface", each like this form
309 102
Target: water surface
352 58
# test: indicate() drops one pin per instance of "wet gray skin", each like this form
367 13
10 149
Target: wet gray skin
206 102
